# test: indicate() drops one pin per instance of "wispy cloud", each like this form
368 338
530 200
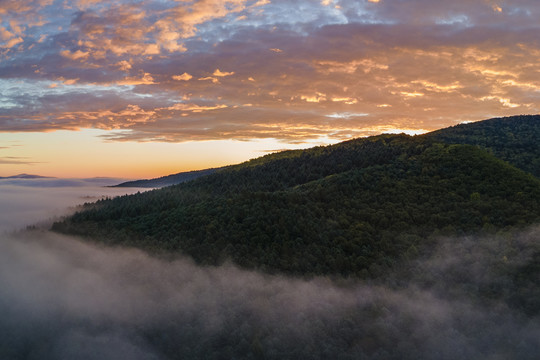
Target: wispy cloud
16 160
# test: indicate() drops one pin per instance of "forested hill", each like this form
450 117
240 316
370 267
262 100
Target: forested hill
514 139
355 208
167 180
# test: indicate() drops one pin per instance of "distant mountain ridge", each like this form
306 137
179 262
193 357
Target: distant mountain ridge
26 176
168 180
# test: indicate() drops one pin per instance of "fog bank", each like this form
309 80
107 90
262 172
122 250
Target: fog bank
64 299
26 202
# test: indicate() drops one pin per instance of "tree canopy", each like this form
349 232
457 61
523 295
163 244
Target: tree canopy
356 208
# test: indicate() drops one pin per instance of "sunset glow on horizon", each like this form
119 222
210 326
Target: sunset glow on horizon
141 89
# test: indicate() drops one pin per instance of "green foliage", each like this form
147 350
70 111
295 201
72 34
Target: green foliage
396 208
513 139
356 208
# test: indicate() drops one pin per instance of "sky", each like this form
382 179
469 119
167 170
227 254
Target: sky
138 89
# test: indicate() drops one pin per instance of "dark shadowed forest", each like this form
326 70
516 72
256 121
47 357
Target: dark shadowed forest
357 208
388 247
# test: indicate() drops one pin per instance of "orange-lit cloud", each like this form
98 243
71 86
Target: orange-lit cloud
77 55
195 108
179 71
184 77
220 73
124 65
143 79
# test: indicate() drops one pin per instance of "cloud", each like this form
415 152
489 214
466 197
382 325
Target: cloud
18 160
184 77
213 79
412 65
144 79
77 55
220 73
124 65
195 108
5 34
14 41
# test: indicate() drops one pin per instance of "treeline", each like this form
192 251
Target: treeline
167 180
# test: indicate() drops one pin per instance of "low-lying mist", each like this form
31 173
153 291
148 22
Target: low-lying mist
25 202
61 298
64 298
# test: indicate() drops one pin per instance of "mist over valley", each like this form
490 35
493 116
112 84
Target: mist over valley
62 298
388 247
29 202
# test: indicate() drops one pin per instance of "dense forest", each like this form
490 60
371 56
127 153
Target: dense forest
513 139
357 208
400 247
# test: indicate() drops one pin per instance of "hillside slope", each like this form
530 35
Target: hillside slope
514 139
355 208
